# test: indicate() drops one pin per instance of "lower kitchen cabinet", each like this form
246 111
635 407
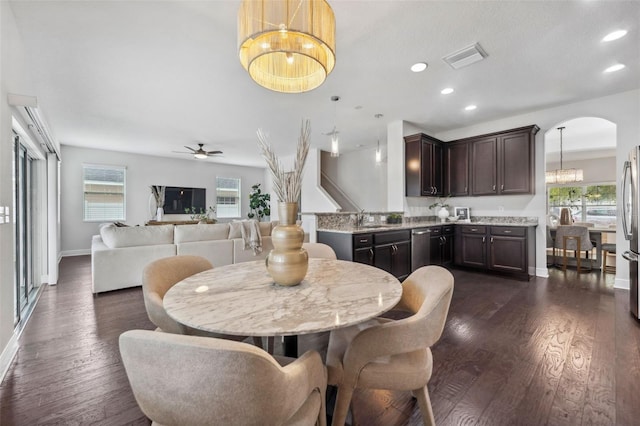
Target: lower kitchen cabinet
508 249
387 250
441 245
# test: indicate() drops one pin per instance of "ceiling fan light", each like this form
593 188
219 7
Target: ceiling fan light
291 58
200 155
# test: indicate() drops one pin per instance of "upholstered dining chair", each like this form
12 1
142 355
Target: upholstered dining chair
158 277
319 251
393 354
192 380
573 238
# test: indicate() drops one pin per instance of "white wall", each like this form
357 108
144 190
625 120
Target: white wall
142 172
357 174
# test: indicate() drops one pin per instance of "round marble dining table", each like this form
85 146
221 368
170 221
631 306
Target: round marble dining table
241 299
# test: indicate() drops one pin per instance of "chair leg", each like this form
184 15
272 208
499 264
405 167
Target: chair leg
343 401
604 260
422 395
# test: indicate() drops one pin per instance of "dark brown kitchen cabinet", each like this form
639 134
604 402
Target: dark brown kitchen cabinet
352 247
456 166
503 163
392 252
509 249
471 246
423 166
441 245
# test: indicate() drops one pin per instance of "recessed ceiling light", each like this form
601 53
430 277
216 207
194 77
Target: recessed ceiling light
614 68
419 67
615 35
446 91
470 107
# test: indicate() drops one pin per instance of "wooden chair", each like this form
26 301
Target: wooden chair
608 248
193 380
387 354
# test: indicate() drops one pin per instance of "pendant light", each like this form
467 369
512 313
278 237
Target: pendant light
561 175
287 45
335 142
378 151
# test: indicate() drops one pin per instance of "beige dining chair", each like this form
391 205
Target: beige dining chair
319 251
192 380
393 354
162 274
576 239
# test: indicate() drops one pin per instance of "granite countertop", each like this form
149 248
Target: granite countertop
350 229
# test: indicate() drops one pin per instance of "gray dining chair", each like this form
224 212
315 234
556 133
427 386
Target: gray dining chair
193 380
574 239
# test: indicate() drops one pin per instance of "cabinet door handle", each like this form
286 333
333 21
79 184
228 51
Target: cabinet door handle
491 240
474 229
363 241
502 187
484 240
370 254
465 189
506 231
494 187
433 190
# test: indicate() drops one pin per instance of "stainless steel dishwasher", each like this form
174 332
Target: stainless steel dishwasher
420 240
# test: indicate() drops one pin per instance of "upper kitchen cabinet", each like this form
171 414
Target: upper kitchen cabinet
503 163
456 165
423 166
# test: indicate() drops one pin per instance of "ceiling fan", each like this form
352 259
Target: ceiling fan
199 153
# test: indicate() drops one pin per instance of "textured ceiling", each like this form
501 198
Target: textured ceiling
150 77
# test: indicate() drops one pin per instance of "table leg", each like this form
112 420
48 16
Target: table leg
291 346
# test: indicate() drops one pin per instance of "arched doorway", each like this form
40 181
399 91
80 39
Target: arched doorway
588 145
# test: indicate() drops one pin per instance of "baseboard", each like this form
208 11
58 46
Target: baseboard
542 272
81 252
7 355
622 284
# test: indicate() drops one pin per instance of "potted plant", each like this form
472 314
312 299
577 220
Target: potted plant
259 203
441 204
202 215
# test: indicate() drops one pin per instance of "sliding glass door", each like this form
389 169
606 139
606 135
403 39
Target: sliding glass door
24 223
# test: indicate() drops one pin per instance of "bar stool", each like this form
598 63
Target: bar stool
606 249
573 238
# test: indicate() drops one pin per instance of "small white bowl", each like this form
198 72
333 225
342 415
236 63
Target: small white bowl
453 218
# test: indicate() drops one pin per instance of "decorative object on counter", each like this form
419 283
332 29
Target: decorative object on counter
442 212
287 263
259 203
394 218
158 194
565 216
462 213
453 218
202 215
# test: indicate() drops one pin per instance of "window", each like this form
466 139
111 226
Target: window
589 203
228 197
104 192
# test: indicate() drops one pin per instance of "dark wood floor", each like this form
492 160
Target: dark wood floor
557 351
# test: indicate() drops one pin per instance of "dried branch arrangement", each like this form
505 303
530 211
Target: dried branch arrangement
158 194
287 185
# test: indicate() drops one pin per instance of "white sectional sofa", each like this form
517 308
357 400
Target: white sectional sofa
119 254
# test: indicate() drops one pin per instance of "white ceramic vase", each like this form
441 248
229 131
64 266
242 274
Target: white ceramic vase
159 214
443 214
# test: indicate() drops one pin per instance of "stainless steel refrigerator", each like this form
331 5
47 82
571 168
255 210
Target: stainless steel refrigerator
630 211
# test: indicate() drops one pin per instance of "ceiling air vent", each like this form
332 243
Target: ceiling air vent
466 56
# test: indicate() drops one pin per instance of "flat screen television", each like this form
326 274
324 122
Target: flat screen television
176 199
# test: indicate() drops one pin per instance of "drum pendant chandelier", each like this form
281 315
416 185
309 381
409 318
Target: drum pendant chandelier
287 45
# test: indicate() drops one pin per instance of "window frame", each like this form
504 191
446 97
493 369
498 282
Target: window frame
104 218
582 203
220 211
